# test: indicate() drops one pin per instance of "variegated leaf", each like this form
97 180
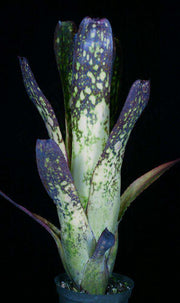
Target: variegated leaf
92 67
104 200
95 278
140 184
76 236
42 104
64 46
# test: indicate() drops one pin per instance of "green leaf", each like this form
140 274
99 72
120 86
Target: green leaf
140 184
51 228
95 278
64 46
76 236
92 67
42 104
104 199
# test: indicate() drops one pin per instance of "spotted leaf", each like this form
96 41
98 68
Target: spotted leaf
92 67
104 200
140 184
64 46
76 236
42 104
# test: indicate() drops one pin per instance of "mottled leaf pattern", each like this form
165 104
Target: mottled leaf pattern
95 278
76 236
64 46
106 241
104 200
140 184
88 201
42 104
90 99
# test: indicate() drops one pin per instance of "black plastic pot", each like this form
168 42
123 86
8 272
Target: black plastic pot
68 296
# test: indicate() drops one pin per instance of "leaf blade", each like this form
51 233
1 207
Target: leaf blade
51 228
96 275
42 104
42 221
64 37
76 235
92 66
140 184
104 199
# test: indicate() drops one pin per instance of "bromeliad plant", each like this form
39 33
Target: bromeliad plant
82 174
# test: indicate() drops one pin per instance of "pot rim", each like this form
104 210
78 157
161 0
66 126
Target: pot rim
123 278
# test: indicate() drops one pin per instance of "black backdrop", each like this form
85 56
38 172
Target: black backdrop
149 232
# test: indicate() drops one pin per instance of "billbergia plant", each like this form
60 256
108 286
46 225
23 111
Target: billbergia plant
82 172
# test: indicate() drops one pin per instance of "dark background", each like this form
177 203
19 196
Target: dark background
149 232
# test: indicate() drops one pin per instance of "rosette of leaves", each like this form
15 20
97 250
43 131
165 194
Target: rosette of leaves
82 174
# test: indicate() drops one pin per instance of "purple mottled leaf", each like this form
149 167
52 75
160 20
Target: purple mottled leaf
42 104
106 180
106 241
140 184
76 235
92 69
136 101
64 37
53 170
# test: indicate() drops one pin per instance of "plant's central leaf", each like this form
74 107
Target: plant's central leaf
95 278
92 65
104 200
76 235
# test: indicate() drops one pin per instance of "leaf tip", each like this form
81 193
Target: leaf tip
106 241
22 60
